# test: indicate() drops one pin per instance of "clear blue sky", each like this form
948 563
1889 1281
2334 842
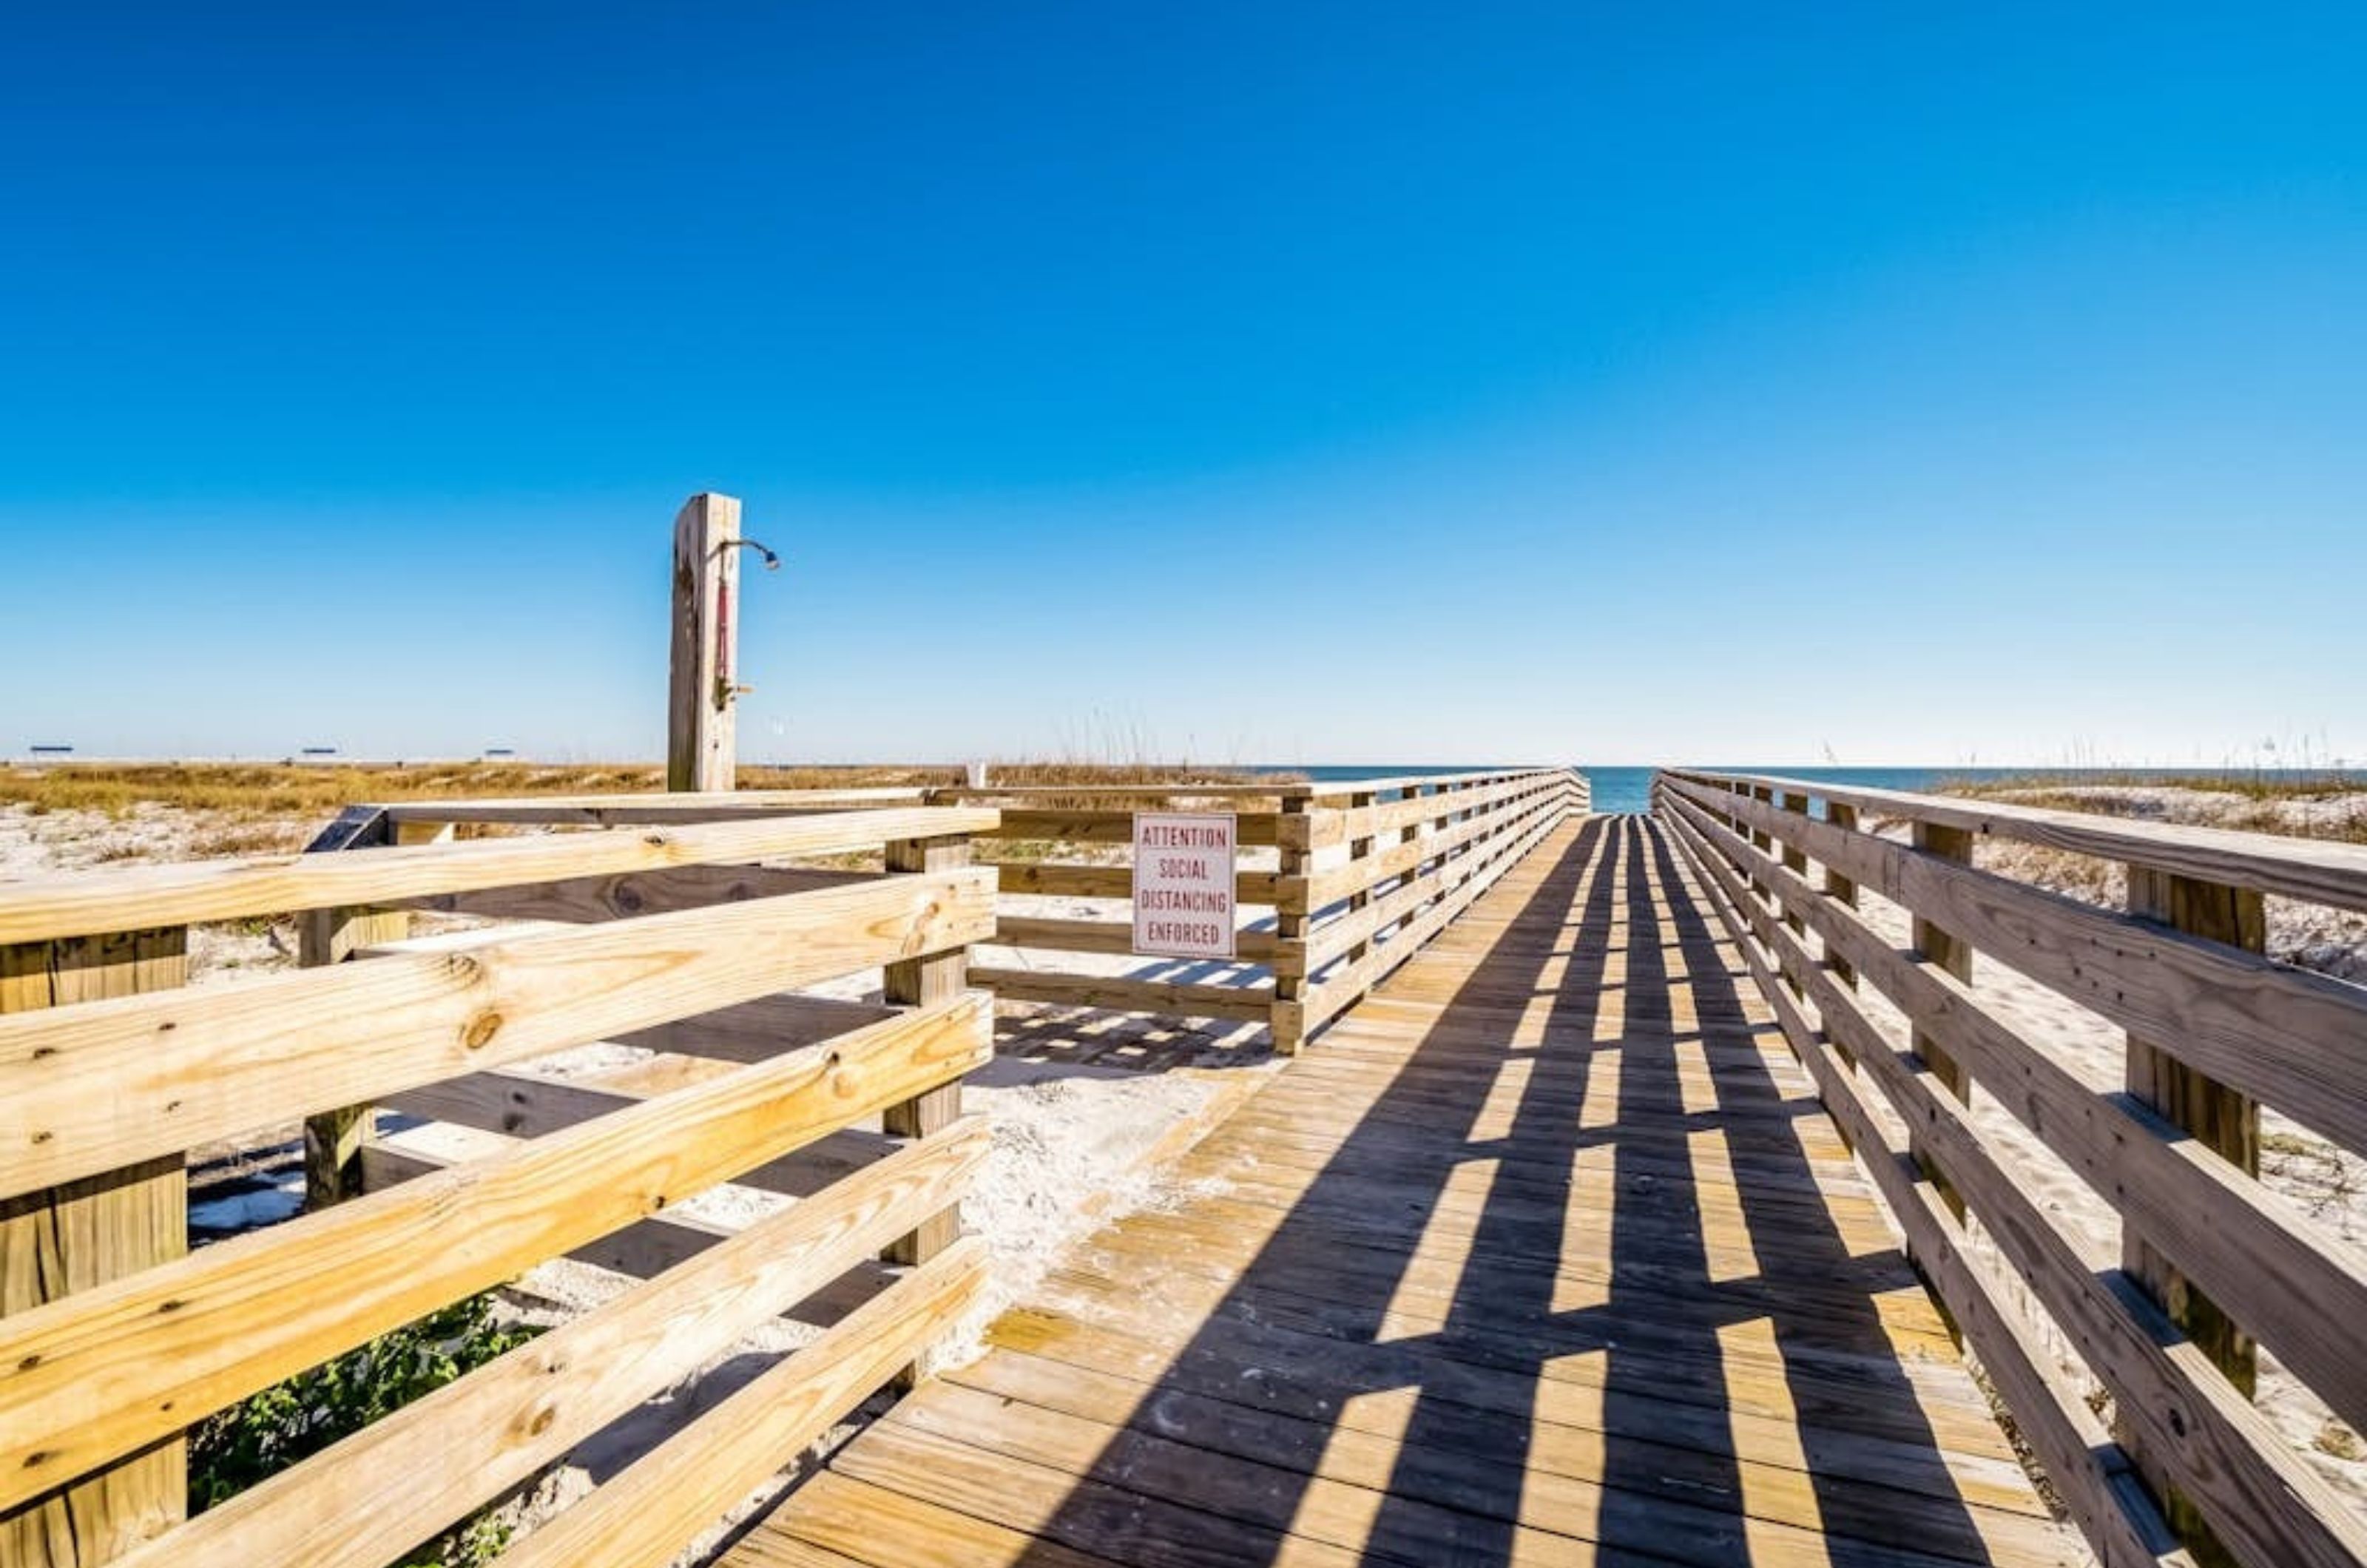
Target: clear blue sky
1456 382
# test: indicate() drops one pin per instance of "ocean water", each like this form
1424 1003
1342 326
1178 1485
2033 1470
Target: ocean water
1629 789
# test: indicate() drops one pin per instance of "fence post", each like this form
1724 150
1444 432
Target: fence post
702 743
2226 1122
920 982
1359 849
1292 909
334 1139
1795 861
1764 841
1954 955
61 1240
1840 888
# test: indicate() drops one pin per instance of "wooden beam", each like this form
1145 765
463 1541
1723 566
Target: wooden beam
1118 993
61 1242
931 979
1113 828
702 743
620 808
42 908
1112 937
105 1084
1838 886
1793 861
2222 1121
1359 845
1287 1020
1041 878
583 900
334 1139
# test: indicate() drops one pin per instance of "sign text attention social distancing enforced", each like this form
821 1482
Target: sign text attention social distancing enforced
1183 884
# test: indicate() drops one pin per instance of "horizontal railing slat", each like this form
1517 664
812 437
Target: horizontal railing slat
88 903
580 899
1125 994
1364 821
1342 789
1110 937
614 810
1251 829
103 1085
1042 877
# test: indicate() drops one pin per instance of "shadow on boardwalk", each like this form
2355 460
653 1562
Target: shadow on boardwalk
1544 1255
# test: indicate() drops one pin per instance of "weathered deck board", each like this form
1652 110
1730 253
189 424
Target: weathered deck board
1544 1254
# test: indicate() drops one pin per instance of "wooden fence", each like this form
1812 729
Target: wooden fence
2211 1261
1358 875
115 1339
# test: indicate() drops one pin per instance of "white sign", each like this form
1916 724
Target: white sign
1183 884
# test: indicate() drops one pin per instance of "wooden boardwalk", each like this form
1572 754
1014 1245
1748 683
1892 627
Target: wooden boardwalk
1544 1254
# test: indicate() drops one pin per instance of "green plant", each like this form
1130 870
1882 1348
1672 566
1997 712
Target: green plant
290 1421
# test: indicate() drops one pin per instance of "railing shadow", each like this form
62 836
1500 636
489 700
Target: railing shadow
1569 1274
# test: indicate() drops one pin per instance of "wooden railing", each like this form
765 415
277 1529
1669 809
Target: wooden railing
114 1340
1358 874
2211 1260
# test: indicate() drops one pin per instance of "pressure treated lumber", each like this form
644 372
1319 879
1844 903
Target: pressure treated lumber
1117 994
86 1234
39 908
